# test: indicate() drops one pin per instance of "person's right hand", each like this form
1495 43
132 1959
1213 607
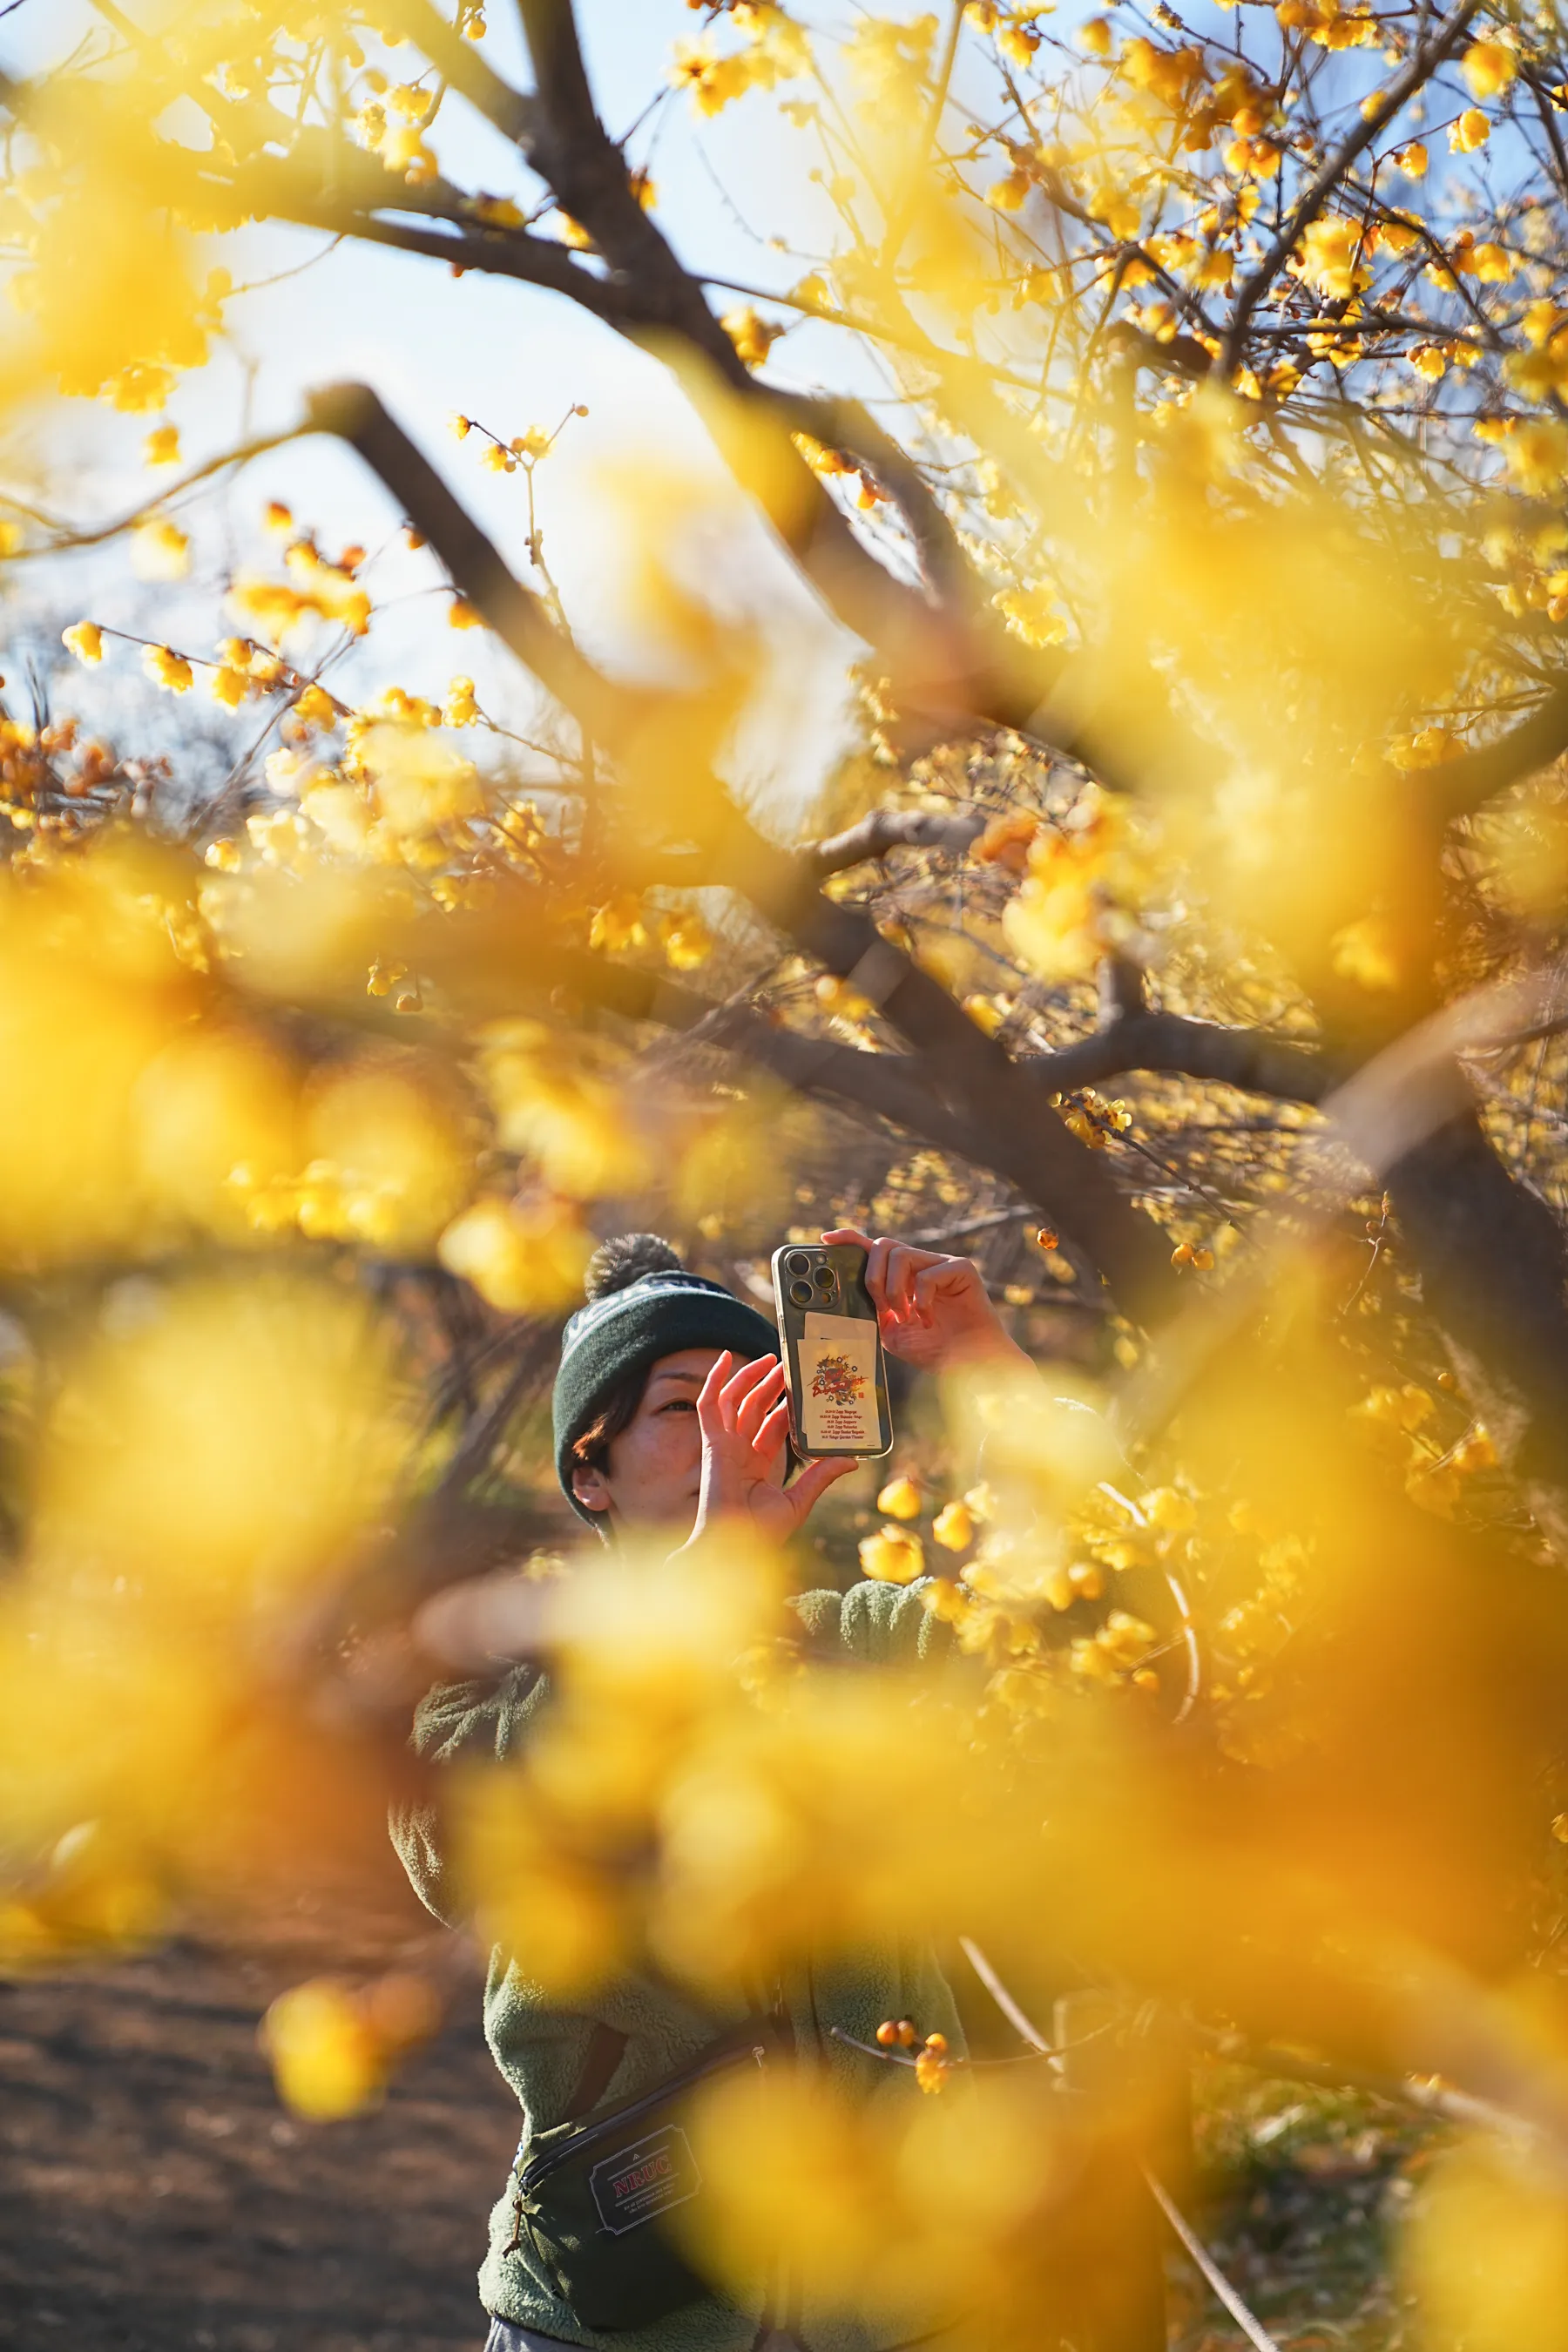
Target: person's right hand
744 1414
932 1310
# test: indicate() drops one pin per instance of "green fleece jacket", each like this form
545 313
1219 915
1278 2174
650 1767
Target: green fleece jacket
542 2050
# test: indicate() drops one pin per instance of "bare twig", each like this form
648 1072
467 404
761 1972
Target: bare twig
1424 63
515 115
65 537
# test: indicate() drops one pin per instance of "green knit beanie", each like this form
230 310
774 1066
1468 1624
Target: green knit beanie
642 1305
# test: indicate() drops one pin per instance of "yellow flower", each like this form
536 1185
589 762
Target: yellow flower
460 709
1050 925
893 1556
85 640
462 615
1125 1639
1170 74
1009 195
901 1499
1471 131
326 2059
1362 953
1536 455
316 707
1426 748
1031 613
710 80
1492 264
459 427
1476 1451
1168 1508
1412 160
277 517
161 446
780 49
1488 67
534 443
228 686
890 60
521 1261
170 670
1331 258
988 1013
159 549
952 1528
1097 37
753 335
932 2065
618 924
685 939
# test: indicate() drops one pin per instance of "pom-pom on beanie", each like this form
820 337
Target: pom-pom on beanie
642 1305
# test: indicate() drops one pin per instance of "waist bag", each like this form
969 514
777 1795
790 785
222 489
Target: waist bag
590 2200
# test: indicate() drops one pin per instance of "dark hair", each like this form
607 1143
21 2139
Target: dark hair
592 1450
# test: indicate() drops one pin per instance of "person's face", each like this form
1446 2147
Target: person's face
654 1473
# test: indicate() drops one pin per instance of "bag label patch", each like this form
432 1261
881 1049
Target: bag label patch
645 2179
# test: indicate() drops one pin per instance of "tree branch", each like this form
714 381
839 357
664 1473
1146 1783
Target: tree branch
528 260
586 172
353 413
1171 1045
513 113
942 655
1461 785
895 1086
1423 64
847 424
1014 1129
888 829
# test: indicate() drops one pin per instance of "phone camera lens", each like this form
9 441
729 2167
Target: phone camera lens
801 1293
797 1262
824 1277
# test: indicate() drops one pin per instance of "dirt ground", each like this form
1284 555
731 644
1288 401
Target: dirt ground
156 2196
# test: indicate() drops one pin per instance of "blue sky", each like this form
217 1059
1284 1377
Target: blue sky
506 354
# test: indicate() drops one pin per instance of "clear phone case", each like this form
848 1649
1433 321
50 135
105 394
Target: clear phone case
832 1351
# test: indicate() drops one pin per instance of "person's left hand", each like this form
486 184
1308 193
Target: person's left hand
744 1414
932 1310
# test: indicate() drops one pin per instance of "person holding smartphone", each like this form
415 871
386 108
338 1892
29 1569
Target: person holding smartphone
670 1416
646 1434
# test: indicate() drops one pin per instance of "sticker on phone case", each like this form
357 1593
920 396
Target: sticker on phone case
838 1382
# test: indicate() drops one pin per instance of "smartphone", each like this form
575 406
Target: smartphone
832 1351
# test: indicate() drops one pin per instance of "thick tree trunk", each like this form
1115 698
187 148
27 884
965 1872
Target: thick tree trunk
1494 1271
